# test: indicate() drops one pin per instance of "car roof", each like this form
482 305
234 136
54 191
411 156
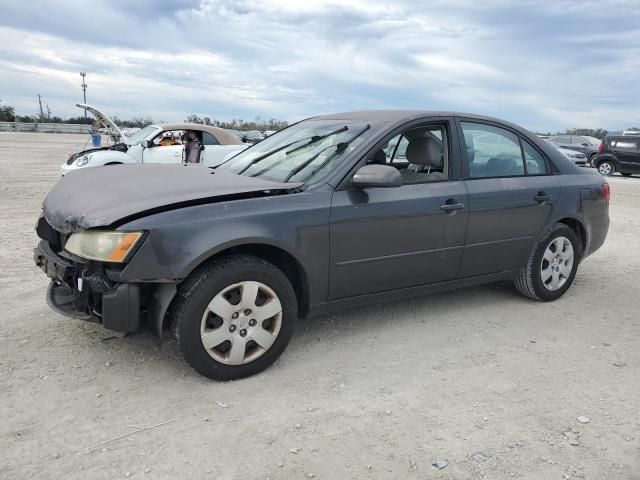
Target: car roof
222 135
394 116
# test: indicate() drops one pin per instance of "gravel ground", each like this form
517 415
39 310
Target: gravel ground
482 378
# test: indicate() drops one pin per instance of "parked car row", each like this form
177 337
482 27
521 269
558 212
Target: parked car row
614 153
579 143
332 212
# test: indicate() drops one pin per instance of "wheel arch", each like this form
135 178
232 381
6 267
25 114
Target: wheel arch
605 156
578 228
277 255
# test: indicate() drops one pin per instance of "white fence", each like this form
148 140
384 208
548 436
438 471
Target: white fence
44 127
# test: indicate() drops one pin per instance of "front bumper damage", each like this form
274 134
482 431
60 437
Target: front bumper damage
81 290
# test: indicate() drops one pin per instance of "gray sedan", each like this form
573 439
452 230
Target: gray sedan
332 212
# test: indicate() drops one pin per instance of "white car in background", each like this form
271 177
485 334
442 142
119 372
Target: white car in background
161 143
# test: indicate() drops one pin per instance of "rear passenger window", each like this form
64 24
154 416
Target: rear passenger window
535 161
492 151
208 139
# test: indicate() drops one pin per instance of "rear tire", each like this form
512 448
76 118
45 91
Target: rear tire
606 168
552 266
233 318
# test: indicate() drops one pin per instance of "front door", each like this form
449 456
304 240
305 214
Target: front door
511 197
389 238
167 147
385 239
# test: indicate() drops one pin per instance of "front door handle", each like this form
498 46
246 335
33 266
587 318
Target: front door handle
451 208
543 197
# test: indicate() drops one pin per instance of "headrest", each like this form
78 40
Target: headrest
424 151
379 157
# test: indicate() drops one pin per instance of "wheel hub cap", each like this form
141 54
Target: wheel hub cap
557 263
241 323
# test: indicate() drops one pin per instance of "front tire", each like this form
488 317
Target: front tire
233 318
606 168
552 266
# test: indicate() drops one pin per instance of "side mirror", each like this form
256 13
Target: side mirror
377 176
145 143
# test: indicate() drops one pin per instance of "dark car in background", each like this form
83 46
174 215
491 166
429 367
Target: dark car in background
332 212
580 143
618 153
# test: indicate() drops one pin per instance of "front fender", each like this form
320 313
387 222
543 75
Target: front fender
180 240
108 156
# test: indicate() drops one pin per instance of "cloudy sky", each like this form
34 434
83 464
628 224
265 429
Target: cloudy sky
543 64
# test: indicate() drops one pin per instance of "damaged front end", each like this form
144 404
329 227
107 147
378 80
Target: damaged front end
91 291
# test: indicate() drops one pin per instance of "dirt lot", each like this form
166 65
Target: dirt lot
483 378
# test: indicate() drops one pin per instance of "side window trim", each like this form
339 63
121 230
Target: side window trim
464 159
547 162
395 149
448 123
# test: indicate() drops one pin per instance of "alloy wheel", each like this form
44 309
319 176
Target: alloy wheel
605 168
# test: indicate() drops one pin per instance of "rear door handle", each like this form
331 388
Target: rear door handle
543 197
451 208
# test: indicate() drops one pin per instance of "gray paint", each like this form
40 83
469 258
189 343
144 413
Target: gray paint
350 243
99 197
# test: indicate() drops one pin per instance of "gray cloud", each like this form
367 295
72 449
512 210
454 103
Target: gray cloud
545 65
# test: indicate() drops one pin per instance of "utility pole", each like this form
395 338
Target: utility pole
84 91
41 111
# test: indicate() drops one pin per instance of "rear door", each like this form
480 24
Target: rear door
511 197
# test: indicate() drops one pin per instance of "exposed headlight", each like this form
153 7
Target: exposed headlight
83 160
102 246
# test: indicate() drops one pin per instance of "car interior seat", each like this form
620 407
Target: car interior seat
425 158
379 158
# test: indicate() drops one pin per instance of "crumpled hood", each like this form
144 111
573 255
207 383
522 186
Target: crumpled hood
99 197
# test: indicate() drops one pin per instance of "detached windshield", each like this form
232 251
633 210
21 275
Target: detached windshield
140 135
299 152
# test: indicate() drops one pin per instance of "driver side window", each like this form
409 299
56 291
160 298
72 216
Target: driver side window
420 154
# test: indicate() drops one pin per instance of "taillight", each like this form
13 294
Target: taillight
601 146
606 192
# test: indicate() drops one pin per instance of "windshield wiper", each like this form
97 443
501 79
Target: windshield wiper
317 138
340 147
313 139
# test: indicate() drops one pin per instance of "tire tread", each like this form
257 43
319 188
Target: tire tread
524 281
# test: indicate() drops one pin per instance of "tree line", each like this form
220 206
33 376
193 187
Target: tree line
239 124
7 114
